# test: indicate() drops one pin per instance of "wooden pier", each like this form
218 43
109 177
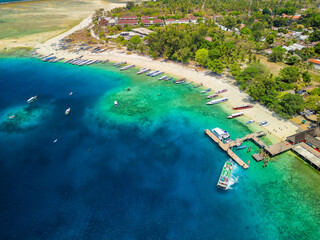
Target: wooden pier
250 137
278 148
227 149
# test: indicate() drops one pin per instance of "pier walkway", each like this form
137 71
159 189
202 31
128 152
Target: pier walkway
252 137
227 149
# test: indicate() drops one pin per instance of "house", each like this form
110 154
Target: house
303 37
316 63
129 22
129 18
103 22
170 21
147 17
208 39
183 20
293 47
192 19
158 21
146 22
242 25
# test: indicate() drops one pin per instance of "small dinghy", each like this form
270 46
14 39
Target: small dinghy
67 111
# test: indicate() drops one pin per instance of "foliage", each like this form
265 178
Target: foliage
270 39
291 60
277 54
202 56
129 4
313 103
290 74
216 66
291 104
306 77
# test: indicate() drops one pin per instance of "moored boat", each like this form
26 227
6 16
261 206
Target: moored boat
225 175
263 123
234 115
116 103
143 70
221 91
163 77
220 133
251 121
243 107
189 82
152 72
32 99
220 100
157 74
180 81
127 67
241 147
199 85
212 96
207 90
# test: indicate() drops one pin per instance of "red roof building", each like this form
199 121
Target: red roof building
158 21
316 63
193 19
103 22
128 17
129 22
146 17
146 22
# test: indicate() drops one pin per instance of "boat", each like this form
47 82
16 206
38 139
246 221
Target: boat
12 116
198 85
234 115
179 81
143 70
32 99
241 147
251 121
67 111
70 93
212 96
221 91
116 103
189 82
243 107
220 100
116 64
157 74
163 77
220 133
152 72
168 79
225 175
127 67
207 90
263 123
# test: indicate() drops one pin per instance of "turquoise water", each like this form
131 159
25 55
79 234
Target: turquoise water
143 170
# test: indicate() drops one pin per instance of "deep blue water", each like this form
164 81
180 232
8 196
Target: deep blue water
109 179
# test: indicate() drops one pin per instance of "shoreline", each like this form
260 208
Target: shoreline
278 127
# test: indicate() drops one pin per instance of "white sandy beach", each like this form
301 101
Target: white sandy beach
279 128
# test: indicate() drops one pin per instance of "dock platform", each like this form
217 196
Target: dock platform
250 137
278 148
227 149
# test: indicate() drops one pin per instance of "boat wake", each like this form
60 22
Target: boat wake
233 180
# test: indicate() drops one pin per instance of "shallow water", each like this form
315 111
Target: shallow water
143 170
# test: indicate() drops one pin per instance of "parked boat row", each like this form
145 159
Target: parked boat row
119 64
221 91
207 90
143 70
212 96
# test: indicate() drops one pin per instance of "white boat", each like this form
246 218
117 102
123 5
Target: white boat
152 72
127 67
163 77
225 175
143 70
32 99
116 103
67 111
157 74
251 121
234 115
217 101
220 133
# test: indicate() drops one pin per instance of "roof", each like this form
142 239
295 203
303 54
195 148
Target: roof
128 17
146 17
143 31
157 21
170 20
314 61
191 17
145 21
127 21
184 19
208 39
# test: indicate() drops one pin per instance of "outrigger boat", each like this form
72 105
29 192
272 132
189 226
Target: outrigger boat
241 147
198 85
32 99
212 96
189 83
221 91
163 77
152 72
143 70
225 175
180 81
251 121
127 67
207 90
157 74
168 79
243 107
263 123
220 100
234 115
